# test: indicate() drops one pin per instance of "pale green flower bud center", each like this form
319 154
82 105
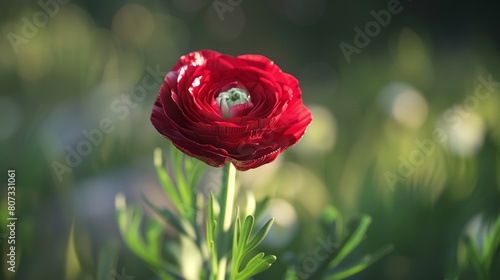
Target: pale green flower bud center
227 99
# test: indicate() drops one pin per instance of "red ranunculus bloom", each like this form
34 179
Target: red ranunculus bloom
219 109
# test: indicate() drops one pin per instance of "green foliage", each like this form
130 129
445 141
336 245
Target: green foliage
336 266
150 246
107 260
145 237
481 251
211 238
243 245
181 188
222 247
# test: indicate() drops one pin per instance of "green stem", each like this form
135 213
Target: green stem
226 216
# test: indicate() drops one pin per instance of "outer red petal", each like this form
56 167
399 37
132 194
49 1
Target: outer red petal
195 58
165 127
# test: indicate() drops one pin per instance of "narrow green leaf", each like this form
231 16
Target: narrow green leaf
474 258
134 228
491 243
169 217
256 265
195 171
211 236
154 234
212 220
180 177
166 182
362 265
237 248
191 167
260 235
130 230
290 274
181 166
330 214
352 242
332 221
107 260
246 229
242 245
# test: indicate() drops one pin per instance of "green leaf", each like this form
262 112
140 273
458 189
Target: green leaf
195 169
474 258
290 274
237 247
172 219
330 214
187 173
331 221
107 260
246 231
352 241
129 223
491 244
154 233
256 265
166 182
178 163
243 244
260 235
211 236
367 261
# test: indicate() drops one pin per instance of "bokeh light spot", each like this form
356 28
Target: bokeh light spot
466 135
321 134
285 223
405 104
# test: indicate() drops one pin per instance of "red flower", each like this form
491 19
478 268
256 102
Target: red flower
221 109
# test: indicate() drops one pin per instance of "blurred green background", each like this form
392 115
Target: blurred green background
408 132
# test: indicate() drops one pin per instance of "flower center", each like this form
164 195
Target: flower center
231 97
